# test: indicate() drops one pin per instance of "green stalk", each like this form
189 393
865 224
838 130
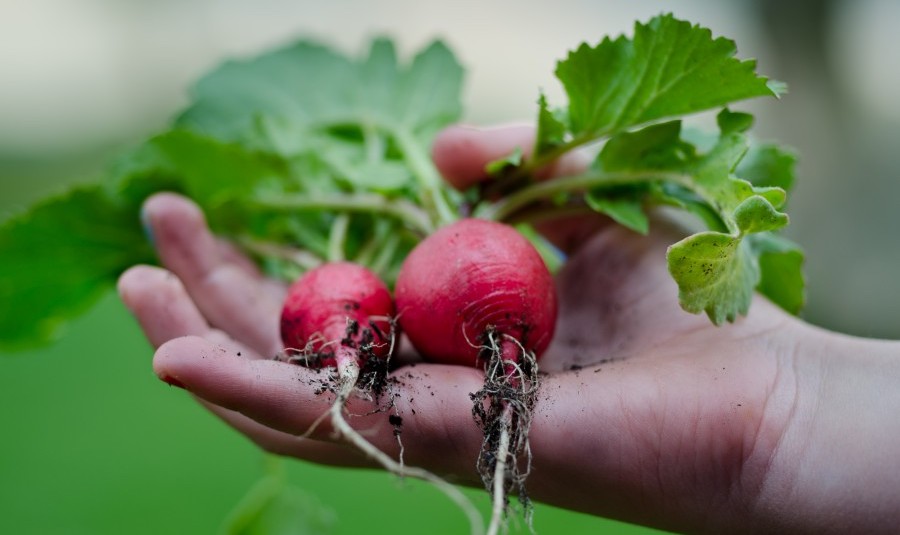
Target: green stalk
305 260
423 169
381 262
337 238
382 231
268 486
506 207
374 144
532 165
371 203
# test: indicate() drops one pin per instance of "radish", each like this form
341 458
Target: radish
476 292
336 315
340 315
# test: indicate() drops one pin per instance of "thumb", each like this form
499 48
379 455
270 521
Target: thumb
461 154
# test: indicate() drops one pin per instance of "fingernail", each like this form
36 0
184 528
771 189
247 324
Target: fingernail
171 381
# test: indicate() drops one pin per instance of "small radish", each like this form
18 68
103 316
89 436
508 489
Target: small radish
339 315
477 293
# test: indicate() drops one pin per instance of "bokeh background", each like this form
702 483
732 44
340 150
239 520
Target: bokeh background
93 443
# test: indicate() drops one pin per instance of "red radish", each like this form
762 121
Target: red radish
469 279
339 315
477 293
336 311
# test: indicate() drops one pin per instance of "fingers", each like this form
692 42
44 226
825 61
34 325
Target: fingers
165 312
462 152
227 289
433 402
272 402
160 304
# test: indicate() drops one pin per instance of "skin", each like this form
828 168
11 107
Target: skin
767 425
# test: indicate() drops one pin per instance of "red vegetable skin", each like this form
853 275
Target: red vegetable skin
471 277
323 306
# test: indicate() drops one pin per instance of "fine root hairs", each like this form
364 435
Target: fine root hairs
503 409
361 371
348 373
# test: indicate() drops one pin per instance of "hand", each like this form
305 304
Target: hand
648 414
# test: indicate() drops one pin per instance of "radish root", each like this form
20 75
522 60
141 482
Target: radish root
499 488
348 374
503 408
360 370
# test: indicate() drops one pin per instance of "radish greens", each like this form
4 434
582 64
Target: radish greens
280 148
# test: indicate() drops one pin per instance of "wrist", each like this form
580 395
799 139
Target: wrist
835 468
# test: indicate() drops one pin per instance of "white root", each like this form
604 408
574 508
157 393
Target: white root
510 390
348 373
499 490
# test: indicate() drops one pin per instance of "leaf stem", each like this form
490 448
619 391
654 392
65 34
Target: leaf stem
381 262
373 143
372 203
303 259
425 172
264 490
381 230
337 237
535 163
506 207
274 467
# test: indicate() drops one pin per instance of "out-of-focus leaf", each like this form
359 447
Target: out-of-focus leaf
59 258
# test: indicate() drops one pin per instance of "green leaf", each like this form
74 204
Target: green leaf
214 174
300 84
669 194
781 269
655 147
551 127
208 169
756 214
627 210
767 164
59 258
716 273
428 94
713 180
733 121
716 270
552 256
670 68
382 176
306 89
703 183
344 118
273 507
498 166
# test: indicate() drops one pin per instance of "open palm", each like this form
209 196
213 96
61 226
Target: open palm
646 413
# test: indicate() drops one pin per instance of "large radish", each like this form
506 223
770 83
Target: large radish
478 293
472 280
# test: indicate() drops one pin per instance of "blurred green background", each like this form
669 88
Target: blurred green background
93 443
